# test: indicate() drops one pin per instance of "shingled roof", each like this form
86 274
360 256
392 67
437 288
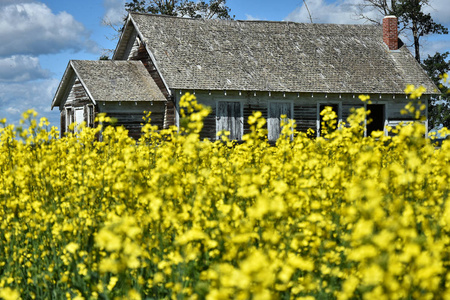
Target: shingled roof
106 80
199 54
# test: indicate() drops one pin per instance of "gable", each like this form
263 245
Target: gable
77 94
199 54
108 81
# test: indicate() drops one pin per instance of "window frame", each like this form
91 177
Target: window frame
283 101
240 118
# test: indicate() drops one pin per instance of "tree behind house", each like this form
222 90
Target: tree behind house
182 8
411 18
439 109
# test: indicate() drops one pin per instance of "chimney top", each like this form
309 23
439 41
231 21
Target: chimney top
390 32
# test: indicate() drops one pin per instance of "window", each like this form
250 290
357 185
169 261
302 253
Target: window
376 118
229 117
79 116
276 110
69 118
90 116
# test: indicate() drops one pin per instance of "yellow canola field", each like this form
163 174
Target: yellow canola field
173 217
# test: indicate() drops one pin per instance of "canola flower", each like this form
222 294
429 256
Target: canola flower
173 217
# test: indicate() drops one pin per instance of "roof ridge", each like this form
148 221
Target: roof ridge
104 60
248 21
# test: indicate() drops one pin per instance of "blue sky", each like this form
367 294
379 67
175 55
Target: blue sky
39 37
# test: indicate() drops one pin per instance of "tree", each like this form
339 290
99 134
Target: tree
410 17
382 8
419 23
182 8
439 109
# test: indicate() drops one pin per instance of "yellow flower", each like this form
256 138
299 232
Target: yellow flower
9 294
72 247
112 283
338 217
364 98
108 240
133 295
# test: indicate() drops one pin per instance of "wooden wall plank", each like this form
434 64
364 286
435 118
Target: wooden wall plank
305 116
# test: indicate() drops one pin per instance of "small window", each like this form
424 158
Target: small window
276 110
69 118
79 116
90 116
229 118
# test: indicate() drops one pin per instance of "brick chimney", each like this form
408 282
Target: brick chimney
390 32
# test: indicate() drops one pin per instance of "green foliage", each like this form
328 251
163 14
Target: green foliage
337 217
419 23
439 108
435 66
410 18
182 8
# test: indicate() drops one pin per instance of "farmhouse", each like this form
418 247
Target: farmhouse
237 67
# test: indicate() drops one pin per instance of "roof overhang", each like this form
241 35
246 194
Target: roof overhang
127 32
60 92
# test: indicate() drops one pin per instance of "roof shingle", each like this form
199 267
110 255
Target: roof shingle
277 56
109 80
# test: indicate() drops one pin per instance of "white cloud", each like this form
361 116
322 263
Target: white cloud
251 18
31 28
432 45
440 11
347 11
15 98
5 2
337 12
114 11
19 68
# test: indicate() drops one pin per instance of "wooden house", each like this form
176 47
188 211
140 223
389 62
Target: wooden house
237 67
121 89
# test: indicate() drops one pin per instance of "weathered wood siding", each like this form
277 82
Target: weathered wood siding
251 106
305 108
79 107
130 114
136 51
305 116
347 108
77 95
170 114
77 101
